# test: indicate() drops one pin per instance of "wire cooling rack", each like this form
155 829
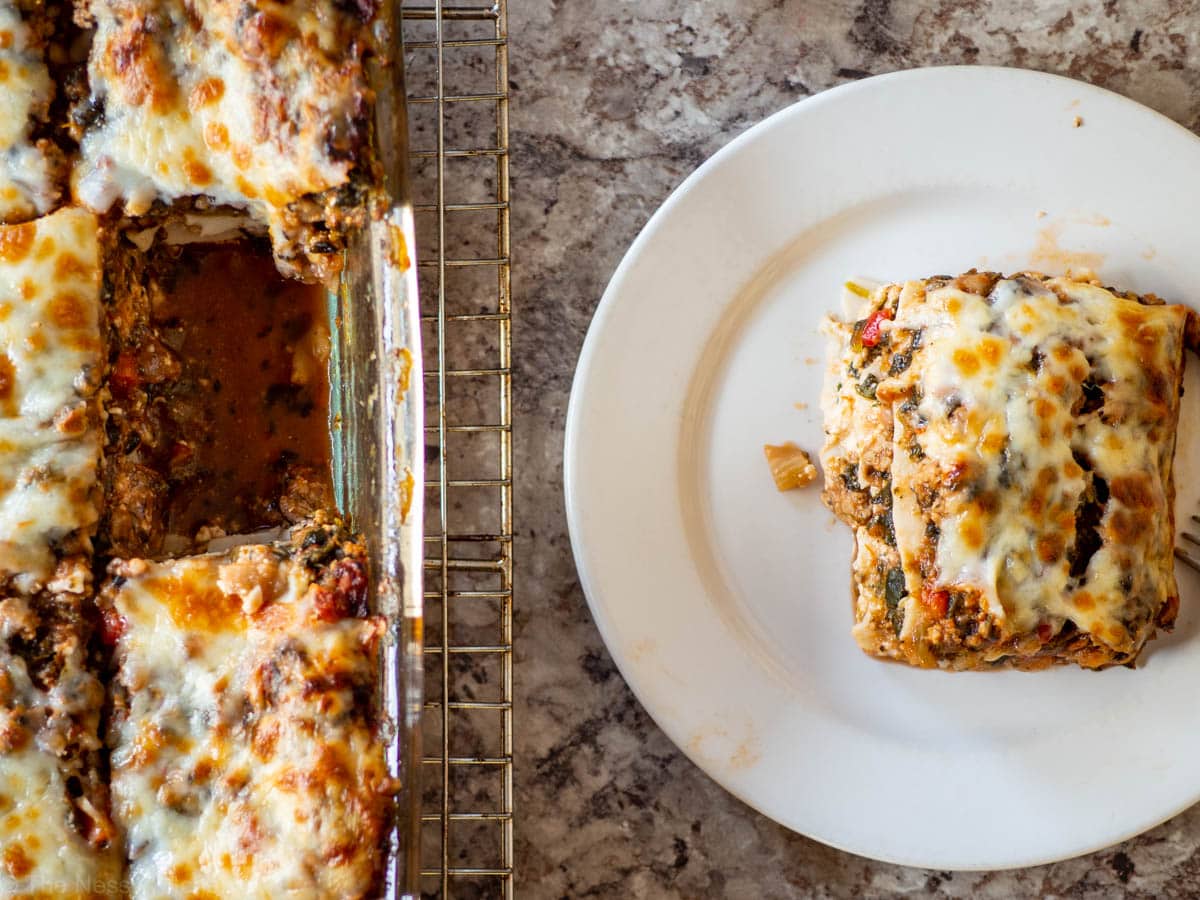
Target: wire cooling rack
456 60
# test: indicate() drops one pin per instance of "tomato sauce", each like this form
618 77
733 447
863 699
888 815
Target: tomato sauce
254 351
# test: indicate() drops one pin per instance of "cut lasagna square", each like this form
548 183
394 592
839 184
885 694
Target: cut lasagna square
50 367
56 839
246 754
31 166
253 103
1002 449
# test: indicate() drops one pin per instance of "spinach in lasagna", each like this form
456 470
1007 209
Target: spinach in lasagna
1002 449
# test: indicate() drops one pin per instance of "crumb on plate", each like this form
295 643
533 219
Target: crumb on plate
790 466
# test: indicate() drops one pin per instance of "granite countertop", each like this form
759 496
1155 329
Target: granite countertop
613 105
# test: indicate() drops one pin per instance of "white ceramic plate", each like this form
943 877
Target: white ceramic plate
726 605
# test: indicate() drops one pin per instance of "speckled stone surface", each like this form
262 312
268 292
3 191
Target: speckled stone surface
614 103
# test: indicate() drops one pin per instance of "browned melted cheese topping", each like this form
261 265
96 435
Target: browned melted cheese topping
247 762
50 367
1027 428
28 186
252 103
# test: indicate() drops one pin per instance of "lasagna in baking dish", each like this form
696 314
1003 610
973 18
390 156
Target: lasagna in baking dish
257 104
245 761
51 367
56 838
1002 449
31 165
176 722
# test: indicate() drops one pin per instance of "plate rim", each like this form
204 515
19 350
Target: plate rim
602 616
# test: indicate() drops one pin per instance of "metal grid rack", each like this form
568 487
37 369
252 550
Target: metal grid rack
456 60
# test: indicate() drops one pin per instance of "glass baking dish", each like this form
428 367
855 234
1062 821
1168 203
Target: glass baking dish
377 424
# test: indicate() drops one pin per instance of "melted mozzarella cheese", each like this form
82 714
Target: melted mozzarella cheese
50 359
40 849
244 765
245 103
1009 446
27 186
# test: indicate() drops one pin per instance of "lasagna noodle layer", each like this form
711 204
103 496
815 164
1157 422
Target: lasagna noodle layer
28 167
1033 428
50 366
253 103
246 758
55 836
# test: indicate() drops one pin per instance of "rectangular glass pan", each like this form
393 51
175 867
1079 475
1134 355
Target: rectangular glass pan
377 416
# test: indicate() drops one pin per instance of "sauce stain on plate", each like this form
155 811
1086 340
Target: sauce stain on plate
1049 256
641 649
715 746
643 653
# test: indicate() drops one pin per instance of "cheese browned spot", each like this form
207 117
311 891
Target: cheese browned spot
1024 430
50 365
246 756
28 167
252 103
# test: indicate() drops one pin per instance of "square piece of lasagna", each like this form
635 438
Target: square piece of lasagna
1002 448
51 366
246 754
257 104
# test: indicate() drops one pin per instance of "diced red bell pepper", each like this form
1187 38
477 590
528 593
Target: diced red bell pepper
936 602
348 594
112 626
124 375
870 334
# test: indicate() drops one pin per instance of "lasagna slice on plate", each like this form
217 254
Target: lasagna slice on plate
1002 448
246 749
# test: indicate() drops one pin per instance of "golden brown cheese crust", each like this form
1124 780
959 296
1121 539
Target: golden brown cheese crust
1030 428
253 103
247 759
